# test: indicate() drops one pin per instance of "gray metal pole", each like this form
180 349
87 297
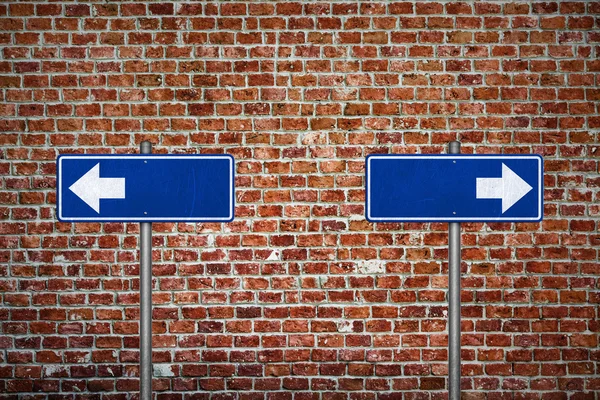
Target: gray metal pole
145 300
454 301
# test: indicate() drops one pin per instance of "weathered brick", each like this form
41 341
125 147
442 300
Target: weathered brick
299 93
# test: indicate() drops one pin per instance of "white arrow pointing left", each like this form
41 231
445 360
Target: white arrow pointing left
510 188
91 188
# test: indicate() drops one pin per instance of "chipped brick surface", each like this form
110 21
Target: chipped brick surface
300 297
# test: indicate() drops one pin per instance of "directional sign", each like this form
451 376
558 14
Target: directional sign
448 187
145 187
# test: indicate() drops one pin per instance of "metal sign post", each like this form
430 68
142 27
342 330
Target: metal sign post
145 300
145 188
454 188
454 301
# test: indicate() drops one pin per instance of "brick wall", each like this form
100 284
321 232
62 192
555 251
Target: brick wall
300 297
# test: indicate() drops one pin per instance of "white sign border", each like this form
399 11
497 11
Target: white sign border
537 157
59 210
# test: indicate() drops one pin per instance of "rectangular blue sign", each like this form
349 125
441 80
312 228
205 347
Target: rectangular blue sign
454 188
145 188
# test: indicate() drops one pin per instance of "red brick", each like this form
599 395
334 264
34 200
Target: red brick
272 85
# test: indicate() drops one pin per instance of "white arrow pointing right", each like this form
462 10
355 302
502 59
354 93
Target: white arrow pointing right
91 188
510 188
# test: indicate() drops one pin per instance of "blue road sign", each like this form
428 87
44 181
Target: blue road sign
454 188
145 187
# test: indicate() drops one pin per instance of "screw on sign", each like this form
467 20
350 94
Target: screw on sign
454 188
145 188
